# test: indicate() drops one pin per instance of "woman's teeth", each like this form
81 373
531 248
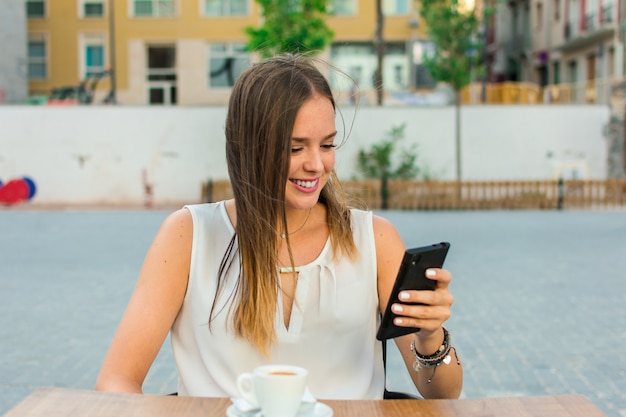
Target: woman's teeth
305 184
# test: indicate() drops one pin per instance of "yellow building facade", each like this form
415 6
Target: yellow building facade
189 52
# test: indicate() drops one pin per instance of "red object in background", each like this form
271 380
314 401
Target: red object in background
64 102
15 191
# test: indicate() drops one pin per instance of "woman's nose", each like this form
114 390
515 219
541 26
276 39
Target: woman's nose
314 161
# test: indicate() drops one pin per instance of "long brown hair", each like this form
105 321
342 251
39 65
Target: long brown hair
259 126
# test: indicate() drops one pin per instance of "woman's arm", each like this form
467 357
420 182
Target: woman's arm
152 309
448 379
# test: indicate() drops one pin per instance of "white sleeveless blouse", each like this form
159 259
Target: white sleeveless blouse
332 330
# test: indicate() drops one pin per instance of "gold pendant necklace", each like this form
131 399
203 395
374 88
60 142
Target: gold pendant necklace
283 235
288 269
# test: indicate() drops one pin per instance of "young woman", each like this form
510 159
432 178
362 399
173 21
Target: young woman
285 272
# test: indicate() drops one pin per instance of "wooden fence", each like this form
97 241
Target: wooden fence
470 195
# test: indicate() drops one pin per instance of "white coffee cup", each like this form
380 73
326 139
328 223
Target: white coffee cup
276 389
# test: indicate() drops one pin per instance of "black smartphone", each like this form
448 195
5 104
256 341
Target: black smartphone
411 276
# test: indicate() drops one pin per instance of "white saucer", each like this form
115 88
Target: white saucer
319 410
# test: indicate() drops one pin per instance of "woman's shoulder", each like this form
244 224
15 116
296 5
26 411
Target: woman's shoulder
388 240
375 229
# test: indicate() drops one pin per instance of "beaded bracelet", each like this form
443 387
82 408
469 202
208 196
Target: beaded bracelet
442 355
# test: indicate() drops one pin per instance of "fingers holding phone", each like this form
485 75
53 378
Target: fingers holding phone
425 309
416 299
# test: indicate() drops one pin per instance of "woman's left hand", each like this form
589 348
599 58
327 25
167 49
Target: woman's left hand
434 308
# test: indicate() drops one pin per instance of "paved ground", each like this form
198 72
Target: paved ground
540 299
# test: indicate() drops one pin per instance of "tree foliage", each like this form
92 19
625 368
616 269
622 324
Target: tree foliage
381 161
296 26
378 160
455 31
454 27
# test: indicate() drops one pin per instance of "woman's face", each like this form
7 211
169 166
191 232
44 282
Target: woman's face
312 152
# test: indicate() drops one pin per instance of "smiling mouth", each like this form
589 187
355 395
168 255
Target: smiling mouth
305 184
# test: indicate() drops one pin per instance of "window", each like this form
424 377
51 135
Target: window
225 7
591 67
539 16
162 77
421 77
91 8
35 8
608 10
574 18
557 9
94 59
395 7
226 63
154 8
359 61
162 63
92 55
572 71
37 58
396 67
591 6
556 72
343 7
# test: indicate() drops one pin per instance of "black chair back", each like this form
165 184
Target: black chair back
394 395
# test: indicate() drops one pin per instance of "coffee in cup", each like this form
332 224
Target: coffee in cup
276 389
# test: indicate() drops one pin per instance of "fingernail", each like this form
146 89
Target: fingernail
398 321
396 308
403 295
431 273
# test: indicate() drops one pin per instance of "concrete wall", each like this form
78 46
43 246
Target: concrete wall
13 66
100 155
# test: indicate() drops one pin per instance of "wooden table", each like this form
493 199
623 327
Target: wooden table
61 402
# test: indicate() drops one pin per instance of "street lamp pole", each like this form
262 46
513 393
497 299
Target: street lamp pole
485 53
112 99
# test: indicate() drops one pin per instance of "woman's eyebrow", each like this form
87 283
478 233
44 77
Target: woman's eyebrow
300 140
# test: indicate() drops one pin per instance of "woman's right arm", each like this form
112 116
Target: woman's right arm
156 300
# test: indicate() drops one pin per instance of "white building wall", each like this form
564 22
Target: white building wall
98 155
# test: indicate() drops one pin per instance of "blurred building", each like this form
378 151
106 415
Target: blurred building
189 52
13 65
572 49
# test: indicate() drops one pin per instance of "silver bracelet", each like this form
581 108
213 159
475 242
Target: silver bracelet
442 355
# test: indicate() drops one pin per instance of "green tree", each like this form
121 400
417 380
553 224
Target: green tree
380 160
290 26
455 29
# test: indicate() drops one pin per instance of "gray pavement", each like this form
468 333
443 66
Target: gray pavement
540 299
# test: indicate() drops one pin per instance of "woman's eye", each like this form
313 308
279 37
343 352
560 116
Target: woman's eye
296 150
329 146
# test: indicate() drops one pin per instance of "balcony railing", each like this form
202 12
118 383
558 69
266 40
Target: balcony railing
520 43
572 28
